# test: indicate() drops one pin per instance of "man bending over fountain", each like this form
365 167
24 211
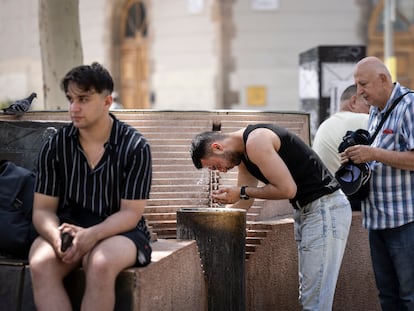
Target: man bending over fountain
290 170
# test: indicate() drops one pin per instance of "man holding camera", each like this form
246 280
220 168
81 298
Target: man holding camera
388 212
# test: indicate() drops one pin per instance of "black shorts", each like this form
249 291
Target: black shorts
139 235
142 242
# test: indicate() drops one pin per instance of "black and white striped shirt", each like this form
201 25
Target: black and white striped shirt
124 171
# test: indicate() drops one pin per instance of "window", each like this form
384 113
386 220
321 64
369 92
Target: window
136 21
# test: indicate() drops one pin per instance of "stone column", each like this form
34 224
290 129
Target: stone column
220 235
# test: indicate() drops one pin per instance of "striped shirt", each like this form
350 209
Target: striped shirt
391 200
124 171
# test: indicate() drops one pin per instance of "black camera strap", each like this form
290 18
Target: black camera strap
386 116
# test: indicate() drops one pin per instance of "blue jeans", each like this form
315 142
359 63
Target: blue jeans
392 255
321 233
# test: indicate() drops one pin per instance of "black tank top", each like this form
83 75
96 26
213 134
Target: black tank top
312 178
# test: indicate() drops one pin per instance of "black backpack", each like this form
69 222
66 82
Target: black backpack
16 204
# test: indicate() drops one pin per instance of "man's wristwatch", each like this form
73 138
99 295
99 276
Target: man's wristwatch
243 194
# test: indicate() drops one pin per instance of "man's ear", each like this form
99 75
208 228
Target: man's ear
384 78
216 146
108 100
352 102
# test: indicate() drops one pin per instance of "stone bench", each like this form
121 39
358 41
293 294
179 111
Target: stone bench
165 284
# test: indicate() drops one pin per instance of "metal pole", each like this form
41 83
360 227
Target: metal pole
389 19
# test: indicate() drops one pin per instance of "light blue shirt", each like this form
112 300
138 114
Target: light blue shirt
391 200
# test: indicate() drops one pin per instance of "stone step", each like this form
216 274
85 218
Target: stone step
197 175
250 216
250 248
203 118
163 224
258 226
174 168
195 194
165 134
177 141
252 240
166 233
181 202
168 208
256 233
188 129
173 180
178 188
179 164
150 217
181 150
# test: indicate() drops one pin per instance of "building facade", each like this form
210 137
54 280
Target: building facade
191 54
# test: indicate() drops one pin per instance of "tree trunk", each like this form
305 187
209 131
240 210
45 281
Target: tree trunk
60 46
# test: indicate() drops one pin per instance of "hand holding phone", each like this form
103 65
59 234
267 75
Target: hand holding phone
66 241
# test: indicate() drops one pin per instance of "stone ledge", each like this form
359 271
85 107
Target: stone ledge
174 280
272 270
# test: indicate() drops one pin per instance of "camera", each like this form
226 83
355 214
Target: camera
352 138
354 178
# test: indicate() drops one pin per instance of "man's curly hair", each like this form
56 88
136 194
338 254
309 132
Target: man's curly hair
88 77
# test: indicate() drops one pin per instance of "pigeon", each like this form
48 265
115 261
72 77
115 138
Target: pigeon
19 107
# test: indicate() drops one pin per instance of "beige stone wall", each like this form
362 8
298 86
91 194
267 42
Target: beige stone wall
20 70
20 62
183 55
